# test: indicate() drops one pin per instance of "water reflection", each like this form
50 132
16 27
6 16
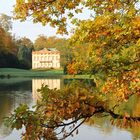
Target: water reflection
96 133
16 91
37 83
12 93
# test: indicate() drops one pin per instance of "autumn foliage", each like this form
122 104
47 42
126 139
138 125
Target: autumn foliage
112 57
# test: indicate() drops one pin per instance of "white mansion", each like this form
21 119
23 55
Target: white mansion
46 58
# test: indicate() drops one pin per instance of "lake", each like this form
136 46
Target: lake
15 91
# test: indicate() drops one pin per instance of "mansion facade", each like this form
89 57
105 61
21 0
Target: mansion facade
46 58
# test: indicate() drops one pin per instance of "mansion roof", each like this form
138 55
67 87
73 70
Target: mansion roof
47 51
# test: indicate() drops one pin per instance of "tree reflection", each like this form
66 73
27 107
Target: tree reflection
4 131
77 103
5 107
9 100
135 130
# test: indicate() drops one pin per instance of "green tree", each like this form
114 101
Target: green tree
25 42
5 22
25 47
40 42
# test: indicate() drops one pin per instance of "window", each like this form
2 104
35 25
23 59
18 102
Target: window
57 57
41 57
52 57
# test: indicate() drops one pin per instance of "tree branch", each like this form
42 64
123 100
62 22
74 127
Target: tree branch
73 129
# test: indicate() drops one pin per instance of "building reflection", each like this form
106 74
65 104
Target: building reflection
37 84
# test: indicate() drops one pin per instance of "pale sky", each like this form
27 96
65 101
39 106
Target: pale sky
27 28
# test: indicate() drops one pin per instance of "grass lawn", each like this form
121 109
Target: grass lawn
78 77
12 72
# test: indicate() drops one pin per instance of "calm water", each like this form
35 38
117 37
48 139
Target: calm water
15 91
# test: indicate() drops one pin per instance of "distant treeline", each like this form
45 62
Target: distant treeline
17 52
9 60
14 53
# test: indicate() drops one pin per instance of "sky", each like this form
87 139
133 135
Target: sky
27 28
